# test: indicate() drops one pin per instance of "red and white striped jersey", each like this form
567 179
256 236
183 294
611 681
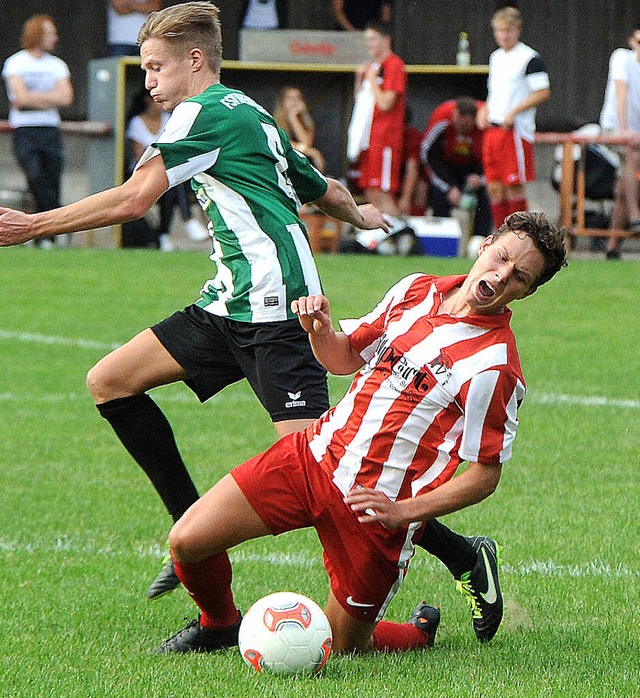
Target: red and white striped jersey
436 390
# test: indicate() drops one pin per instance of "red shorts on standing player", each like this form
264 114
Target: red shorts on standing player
507 158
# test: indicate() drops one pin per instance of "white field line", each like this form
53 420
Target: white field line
34 338
532 396
295 560
535 398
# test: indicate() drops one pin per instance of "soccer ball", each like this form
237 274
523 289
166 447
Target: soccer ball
286 633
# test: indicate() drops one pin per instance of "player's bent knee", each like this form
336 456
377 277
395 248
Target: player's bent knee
104 385
185 543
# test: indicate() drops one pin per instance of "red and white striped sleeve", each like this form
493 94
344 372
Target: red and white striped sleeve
490 404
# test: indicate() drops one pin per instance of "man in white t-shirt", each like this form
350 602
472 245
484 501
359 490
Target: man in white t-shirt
124 20
518 83
621 116
37 84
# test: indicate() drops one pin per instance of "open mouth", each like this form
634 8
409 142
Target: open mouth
484 290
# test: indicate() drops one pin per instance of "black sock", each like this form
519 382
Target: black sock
452 549
146 433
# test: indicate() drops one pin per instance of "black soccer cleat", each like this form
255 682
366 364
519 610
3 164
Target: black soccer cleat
165 582
195 638
427 619
481 588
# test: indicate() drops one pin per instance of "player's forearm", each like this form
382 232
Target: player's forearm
338 203
534 100
477 483
96 211
334 351
59 96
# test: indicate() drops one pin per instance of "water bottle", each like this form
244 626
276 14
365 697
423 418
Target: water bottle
469 199
463 57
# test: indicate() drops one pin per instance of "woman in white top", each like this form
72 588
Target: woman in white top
146 121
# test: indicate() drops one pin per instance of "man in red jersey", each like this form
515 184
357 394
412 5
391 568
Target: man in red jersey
438 381
381 159
451 153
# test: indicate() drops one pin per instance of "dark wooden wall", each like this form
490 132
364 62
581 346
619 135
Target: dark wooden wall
575 37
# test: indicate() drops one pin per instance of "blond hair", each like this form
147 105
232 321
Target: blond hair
509 16
186 26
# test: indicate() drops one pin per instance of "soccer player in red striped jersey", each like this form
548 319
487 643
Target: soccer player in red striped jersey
438 382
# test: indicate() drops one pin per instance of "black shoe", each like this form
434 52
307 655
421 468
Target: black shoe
613 254
165 582
195 638
427 619
481 588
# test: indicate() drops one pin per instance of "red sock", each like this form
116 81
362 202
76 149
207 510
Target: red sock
513 205
209 585
398 637
499 211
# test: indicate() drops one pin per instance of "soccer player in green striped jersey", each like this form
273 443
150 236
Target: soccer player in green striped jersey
250 183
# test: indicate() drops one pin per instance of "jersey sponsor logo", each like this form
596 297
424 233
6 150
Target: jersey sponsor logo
295 401
441 367
271 301
405 376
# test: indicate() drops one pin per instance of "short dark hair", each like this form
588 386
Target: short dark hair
466 106
546 237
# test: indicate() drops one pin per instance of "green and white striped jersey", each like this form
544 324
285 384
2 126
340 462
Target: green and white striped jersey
250 182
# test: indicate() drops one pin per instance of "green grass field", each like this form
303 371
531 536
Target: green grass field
82 530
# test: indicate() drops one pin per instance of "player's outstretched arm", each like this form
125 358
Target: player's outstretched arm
127 202
332 349
337 202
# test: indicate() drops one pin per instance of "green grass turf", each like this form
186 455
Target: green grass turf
82 531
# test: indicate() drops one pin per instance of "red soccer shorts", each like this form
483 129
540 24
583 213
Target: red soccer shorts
288 489
380 168
507 158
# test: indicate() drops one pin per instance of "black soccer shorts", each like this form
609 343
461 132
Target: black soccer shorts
275 357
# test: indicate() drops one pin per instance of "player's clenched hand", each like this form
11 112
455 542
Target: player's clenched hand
373 506
314 314
14 227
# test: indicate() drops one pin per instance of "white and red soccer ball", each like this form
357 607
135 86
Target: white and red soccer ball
286 633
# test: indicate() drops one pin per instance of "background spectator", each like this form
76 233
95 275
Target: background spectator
124 19
518 83
293 117
621 115
356 14
377 123
145 122
37 84
264 14
413 188
451 152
